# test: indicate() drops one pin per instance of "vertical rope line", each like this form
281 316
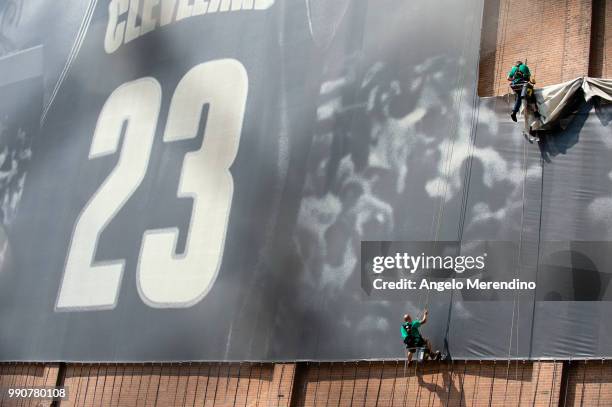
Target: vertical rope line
93 399
516 299
227 381
431 398
47 373
449 150
475 391
246 396
237 384
149 372
113 386
76 396
34 373
468 167
492 382
518 401
394 382
161 369
189 371
87 384
317 380
600 382
18 367
535 393
142 370
416 376
104 384
208 382
553 383
450 383
354 384
16 375
382 371
9 380
217 383
533 309
4 377
198 375
462 381
331 365
78 393
280 381
341 385
509 347
26 384
14 379
407 383
365 395
123 368
30 380
178 378
569 365
583 380
132 374
26 381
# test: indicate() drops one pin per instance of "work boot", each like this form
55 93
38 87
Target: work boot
513 116
437 355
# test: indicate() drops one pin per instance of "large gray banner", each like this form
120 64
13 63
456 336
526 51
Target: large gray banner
206 171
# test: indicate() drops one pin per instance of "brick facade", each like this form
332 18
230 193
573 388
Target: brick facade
559 40
389 383
600 63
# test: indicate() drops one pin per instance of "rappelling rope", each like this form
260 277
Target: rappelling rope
449 151
393 386
516 300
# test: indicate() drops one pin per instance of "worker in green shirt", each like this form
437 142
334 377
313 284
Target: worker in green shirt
519 76
412 336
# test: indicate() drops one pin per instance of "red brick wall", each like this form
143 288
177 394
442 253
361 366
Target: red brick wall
210 384
601 40
587 383
577 383
431 384
553 36
26 375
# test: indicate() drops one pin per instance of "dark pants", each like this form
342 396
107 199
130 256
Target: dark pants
521 93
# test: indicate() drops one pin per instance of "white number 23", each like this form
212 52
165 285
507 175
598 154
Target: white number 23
164 278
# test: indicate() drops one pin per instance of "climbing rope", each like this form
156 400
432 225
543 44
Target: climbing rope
407 385
341 384
365 396
354 383
394 382
317 380
329 377
380 379
601 370
259 381
492 381
475 392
